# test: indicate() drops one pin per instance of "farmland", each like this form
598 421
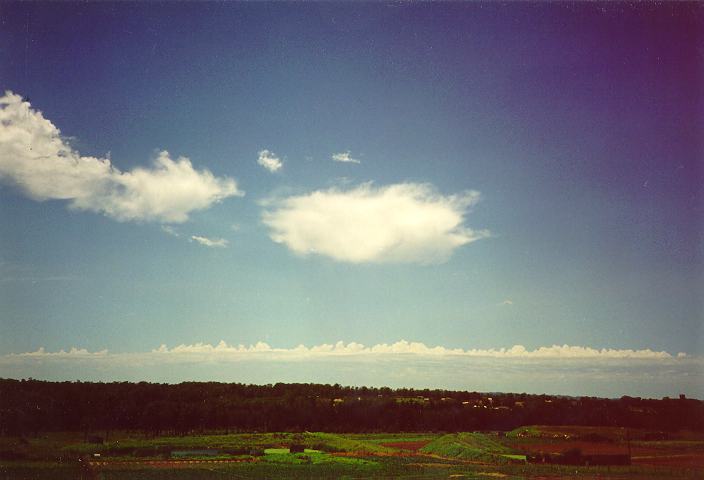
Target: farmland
132 455
128 431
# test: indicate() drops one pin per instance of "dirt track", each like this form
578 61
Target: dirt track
165 463
691 460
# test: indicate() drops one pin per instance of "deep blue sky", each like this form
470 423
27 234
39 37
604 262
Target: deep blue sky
581 126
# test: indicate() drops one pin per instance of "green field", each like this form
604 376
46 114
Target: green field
476 447
132 456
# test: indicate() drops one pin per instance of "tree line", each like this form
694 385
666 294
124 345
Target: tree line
29 407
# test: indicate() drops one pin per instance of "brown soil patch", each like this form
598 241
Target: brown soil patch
685 460
587 448
605 448
412 446
640 455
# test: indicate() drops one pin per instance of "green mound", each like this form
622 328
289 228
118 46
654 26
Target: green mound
469 446
330 442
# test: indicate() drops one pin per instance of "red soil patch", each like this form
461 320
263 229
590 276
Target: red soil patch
685 460
640 455
587 448
412 446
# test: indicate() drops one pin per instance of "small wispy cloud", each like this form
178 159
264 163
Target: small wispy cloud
345 157
210 242
269 160
169 230
38 278
15 272
507 301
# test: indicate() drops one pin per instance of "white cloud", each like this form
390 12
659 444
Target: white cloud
404 347
565 369
344 157
400 348
269 161
210 242
72 353
169 230
36 159
508 301
402 223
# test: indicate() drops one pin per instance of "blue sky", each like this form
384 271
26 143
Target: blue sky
517 175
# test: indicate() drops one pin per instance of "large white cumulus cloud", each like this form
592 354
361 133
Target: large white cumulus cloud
37 160
404 223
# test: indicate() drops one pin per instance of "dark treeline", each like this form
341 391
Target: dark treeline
29 407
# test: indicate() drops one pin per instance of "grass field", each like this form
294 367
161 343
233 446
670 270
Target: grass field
475 447
381 455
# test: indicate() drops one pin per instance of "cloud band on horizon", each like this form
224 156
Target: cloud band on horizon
402 347
557 369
